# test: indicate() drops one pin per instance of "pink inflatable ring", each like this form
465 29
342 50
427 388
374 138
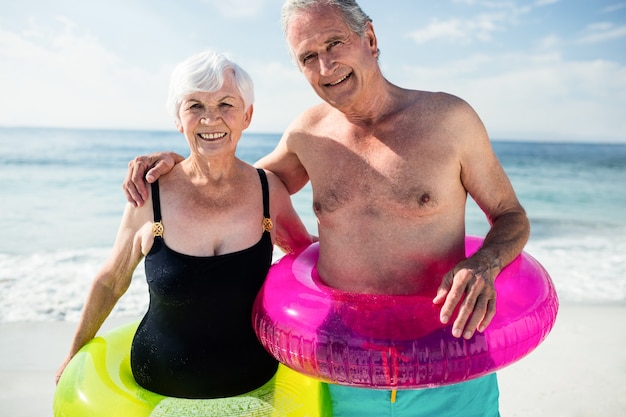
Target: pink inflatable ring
396 341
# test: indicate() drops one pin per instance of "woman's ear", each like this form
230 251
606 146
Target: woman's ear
248 116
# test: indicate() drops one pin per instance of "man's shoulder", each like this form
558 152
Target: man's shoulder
311 119
316 114
441 105
446 117
436 98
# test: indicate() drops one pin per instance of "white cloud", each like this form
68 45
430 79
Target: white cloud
56 76
459 30
538 96
541 3
238 8
450 29
549 42
601 32
614 8
498 16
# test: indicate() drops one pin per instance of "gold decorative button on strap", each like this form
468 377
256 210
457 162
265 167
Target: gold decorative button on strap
267 224
157 229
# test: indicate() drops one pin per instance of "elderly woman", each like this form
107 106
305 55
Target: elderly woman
207 235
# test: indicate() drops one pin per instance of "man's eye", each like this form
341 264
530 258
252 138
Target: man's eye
307 58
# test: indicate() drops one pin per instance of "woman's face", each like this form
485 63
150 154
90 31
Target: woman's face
213 122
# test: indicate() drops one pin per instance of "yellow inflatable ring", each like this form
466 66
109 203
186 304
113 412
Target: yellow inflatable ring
98 382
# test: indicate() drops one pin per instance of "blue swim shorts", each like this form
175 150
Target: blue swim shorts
475 398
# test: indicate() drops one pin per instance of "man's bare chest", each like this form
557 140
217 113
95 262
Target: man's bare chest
377 184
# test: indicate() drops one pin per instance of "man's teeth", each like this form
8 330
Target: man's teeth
209 136
340 80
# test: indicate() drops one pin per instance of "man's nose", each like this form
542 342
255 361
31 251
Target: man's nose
327 64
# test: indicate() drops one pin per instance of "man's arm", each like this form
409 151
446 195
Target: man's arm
285 163
146 168
471 282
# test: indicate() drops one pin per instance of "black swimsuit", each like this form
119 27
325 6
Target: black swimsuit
196 339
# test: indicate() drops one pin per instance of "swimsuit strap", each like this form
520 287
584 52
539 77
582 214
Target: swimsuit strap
157 226
267 222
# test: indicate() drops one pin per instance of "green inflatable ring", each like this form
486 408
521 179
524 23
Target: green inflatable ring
98 382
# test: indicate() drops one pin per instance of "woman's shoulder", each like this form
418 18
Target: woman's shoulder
276 185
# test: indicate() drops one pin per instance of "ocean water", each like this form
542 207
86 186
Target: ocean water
61 202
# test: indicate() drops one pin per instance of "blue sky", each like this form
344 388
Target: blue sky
549 70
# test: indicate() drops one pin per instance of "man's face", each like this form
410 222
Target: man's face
334 59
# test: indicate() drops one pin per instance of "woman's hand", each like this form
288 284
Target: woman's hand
61 369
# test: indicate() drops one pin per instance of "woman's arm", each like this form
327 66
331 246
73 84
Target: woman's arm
290 234
111 282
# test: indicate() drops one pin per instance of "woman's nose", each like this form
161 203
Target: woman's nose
208 117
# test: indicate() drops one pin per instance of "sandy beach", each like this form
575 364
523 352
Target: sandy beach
579 371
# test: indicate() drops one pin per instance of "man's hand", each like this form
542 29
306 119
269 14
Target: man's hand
146 168
470 283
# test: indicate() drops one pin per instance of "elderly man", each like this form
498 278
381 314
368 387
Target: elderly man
390 170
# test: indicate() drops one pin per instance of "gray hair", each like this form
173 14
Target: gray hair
352 14
205 72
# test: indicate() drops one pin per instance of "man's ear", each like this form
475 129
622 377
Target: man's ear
370 35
